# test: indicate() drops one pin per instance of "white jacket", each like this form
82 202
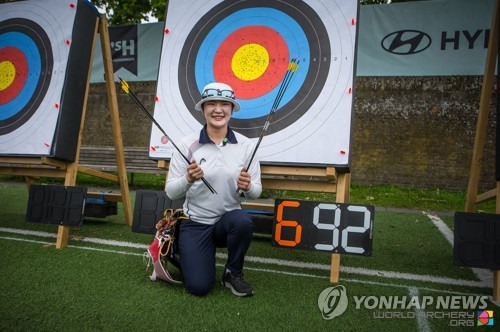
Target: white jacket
221 167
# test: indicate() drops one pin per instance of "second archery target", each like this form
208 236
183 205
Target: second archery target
45 52
248 45
26 63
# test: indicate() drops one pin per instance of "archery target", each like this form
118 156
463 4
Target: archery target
248 45
26 63
35 43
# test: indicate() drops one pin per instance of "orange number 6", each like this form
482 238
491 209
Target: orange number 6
285 223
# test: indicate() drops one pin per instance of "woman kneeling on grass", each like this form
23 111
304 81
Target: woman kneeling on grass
219 155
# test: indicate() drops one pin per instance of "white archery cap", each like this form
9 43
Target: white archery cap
217 91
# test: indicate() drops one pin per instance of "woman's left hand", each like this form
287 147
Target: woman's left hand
244 180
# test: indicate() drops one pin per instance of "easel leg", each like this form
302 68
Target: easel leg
29 181
69 180
496 286
115 119
62 237
481 128
343 190
335 268
496 275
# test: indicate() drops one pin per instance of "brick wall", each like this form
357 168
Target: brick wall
407 131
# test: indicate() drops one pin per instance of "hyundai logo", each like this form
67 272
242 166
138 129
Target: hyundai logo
406 42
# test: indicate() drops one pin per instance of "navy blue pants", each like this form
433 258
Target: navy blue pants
197 244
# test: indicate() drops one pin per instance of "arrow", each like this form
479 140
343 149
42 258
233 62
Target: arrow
126 89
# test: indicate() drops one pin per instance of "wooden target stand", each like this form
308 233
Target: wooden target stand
32 167
481 129
297 178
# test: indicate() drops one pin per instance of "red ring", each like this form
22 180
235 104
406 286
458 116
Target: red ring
274 44
18 59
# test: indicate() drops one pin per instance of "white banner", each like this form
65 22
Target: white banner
424 38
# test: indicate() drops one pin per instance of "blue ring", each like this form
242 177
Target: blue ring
286 26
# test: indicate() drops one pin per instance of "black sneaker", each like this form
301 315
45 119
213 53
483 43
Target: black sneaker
236 284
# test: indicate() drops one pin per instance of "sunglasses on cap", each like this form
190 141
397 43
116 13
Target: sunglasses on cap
217 92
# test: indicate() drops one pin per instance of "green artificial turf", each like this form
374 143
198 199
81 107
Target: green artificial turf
89 286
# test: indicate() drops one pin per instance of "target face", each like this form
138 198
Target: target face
26 65
33 58
248 45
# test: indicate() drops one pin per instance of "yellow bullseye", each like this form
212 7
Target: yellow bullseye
250 61
7 74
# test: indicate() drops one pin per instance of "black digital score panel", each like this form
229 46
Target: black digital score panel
333 227
477 240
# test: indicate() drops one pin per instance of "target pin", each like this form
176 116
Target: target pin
72 5
353 22
167 31
342 151
46 144
68 42
157 99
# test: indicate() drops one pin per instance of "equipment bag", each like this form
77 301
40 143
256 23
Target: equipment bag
164 248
